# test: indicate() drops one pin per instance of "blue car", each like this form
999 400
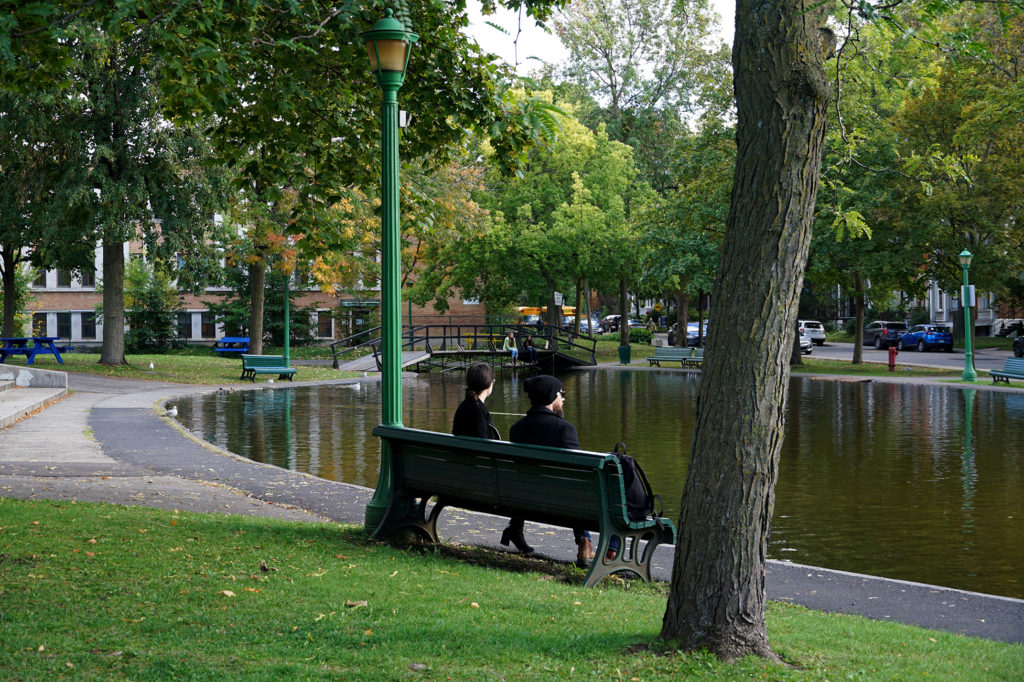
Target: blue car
924 337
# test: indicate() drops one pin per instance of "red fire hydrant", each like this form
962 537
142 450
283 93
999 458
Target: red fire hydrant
892 358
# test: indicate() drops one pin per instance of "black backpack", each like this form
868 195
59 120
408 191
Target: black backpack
640 499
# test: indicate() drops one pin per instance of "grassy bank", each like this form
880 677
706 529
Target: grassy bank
822 366
185 368
106 592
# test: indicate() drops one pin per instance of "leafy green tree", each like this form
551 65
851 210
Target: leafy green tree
152 303
233 310
135 177
962 147
36 148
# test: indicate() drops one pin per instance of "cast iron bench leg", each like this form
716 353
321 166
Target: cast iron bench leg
405 512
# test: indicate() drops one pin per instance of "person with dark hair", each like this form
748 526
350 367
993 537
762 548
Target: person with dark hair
544 424
529 349
473 419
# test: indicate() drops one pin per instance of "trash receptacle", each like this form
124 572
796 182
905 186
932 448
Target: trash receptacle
625 354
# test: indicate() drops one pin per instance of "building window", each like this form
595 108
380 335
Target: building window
325 327
184 325
40 280
88 325
64 325
940 301
88 278
38 324
209 326
64 278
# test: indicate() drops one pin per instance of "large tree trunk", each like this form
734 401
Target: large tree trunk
113 304
682 317
717 598
257 287
10 293
623 314
858 317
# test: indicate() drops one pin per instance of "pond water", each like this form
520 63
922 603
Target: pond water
920 483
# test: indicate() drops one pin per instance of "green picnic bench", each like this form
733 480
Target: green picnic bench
571 488
1012 369
687 357
265 364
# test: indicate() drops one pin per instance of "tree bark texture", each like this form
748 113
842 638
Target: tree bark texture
10 295
257 284
717 598
113 304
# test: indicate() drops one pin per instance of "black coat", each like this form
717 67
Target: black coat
541 426
472 418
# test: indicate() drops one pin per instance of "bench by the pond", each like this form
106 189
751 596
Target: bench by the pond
265 364
1012 369
687 357
232 344
571 488
31 347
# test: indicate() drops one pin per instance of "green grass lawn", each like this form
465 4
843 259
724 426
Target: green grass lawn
822 366
99 592
181 367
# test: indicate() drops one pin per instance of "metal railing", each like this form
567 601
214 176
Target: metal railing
434 338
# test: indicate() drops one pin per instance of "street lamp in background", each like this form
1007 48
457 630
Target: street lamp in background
388 45
969 373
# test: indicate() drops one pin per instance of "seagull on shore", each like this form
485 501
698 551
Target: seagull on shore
173 412
151 364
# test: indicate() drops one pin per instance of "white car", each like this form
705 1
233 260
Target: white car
814 330
805 343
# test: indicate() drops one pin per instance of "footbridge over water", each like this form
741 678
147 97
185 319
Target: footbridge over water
448 347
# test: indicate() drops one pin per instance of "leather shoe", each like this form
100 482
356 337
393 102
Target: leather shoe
585 553
517 539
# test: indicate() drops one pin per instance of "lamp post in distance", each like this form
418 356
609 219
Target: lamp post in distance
968 301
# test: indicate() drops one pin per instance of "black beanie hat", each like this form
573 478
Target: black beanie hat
542 389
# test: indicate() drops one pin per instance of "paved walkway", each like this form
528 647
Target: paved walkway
107 442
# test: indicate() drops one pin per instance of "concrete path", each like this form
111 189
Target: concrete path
108 442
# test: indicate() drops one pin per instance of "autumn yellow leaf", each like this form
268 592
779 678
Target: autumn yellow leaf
227 593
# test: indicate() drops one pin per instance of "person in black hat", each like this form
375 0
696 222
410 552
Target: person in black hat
545 425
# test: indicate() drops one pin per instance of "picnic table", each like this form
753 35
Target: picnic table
231 344
39 345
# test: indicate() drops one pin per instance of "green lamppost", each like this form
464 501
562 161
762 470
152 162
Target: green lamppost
969 373
388 45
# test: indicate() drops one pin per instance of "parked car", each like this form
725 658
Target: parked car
609 323
588 324
814 330
805 343
924 337
882 334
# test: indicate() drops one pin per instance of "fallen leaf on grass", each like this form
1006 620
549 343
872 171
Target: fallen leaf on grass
227 593
417 666
474 605
351 604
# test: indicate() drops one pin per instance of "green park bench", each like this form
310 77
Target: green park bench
265 364
571 488
1012 369
686 357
